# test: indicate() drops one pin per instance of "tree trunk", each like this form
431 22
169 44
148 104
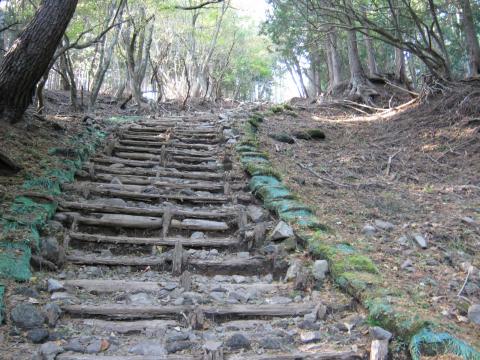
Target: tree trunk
333 61
29 57
371 61
360 86
471 39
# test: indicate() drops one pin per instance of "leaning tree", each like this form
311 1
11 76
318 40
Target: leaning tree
29 57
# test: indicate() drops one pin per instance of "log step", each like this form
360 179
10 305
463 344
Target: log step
214 213
177 145
328 355
171 241
157 172
150 164
119 311
220 265
213 199
191 153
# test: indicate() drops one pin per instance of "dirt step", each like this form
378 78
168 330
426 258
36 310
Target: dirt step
169 241
128 286
148 312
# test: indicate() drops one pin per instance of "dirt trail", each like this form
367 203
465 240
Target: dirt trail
161 264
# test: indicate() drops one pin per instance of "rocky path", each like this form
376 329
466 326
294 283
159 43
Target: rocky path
168 257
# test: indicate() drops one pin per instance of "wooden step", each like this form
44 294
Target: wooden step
169 241
157 157
129 327
210 199
327 355
120 311
150 164
191 153
176 145
214 213
219 265
157 172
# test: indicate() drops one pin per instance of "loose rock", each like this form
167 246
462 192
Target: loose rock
369 230
384 225
320 269
50 350
238 341
139 299
282 231
378 333
26 316
37 336
151 347
474 314
52 312
256 213
420 240
54 285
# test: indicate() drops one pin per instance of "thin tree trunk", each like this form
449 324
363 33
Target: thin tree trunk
334 68
371 61
471 39
29 57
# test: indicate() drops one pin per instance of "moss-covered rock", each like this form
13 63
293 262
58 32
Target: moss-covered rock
283 137
310 134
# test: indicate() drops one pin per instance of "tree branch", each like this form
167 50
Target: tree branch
196 7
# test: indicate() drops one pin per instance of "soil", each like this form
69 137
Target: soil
417 169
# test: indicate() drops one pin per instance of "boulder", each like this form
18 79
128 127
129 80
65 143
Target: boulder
320 269
474 314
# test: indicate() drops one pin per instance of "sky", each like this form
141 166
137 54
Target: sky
253 8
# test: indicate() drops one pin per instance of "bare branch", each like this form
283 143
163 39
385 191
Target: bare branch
196 7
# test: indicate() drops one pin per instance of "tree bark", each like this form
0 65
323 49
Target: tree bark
471 39
333 61
29 57
371 61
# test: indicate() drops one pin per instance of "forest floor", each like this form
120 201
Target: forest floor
380 181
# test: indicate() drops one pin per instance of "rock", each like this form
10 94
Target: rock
26 316
308 325
150 347
27 292
52 312
198 235
139 299
51 250
178 336
377 333
256 214
271 343
50 350
310 336
37 336
320 269
474 314
54 285
294 269
170 286
111 202
282 231
369 230
403 240
238 296
239 279
243 255
116 181
177 346
61 295
238 341
87 344
420 240
384 225
468 220
406 264
279 300
321 311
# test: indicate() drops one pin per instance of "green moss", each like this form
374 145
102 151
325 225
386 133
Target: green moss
404 325
311 134
258 117
283 137
278 109
256 169
291 113
349 263
2 303
288 107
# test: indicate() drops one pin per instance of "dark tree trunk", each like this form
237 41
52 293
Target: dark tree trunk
27 60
